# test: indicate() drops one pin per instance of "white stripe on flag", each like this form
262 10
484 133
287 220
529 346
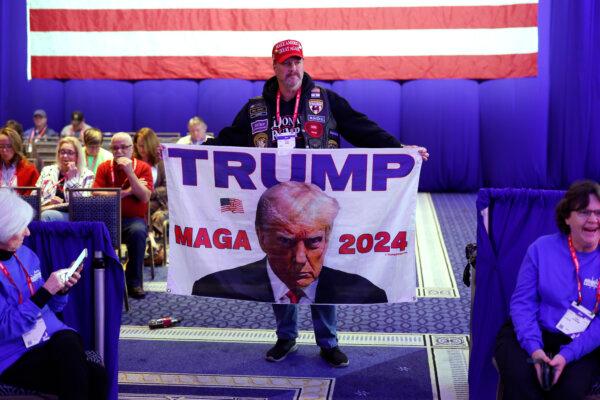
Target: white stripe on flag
259 4
411 42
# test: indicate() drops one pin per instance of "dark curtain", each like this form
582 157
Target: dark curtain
574 128
57 244
516 218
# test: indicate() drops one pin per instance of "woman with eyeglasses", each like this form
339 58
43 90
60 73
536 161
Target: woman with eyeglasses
548 349
15 169
69 172
94 153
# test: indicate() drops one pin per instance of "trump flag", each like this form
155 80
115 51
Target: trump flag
342 39
294 225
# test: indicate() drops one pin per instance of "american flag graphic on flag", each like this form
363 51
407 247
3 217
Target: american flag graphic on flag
342 39
232 205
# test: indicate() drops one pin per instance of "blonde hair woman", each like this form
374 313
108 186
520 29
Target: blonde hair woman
69 172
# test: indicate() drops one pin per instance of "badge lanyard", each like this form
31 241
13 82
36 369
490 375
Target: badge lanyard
11 280
12 182
278 110
579 286
31 137
112 173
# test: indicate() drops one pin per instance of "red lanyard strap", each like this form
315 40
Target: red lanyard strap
12 281
579 285
278 107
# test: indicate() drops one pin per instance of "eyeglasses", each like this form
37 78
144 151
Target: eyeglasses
124 147
6 147
67 153
585 214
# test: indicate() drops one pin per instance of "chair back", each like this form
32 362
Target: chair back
33 196
104 205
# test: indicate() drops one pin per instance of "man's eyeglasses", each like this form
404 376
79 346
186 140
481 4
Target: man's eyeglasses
67 153
123 147
585 214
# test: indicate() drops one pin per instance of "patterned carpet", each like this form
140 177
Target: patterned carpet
440 325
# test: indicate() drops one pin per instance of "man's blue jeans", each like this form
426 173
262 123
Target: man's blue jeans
134 233
324 320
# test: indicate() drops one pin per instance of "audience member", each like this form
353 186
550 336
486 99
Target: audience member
94 153
15 169
39 352
197 133
147 148
134 177
15 125
69 172
40 129
76 127
552 309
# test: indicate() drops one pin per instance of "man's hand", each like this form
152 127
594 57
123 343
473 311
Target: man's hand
125 164
559 363
422 151
538 357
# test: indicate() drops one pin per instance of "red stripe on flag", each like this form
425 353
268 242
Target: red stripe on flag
325 68
519 15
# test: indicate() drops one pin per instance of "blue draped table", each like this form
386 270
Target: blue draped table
57 244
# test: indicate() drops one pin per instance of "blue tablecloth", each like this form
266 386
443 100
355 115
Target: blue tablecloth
57 244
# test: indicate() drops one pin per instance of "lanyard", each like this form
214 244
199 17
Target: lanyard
112 173
579 286
11 280
4 171
278 111
31 137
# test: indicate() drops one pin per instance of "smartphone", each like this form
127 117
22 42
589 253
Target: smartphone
76 264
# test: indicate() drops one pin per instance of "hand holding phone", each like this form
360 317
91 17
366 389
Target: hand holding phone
77 264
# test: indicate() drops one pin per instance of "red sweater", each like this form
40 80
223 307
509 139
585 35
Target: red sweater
131 206
27 175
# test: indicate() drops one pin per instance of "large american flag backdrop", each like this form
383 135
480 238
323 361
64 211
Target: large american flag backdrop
342 39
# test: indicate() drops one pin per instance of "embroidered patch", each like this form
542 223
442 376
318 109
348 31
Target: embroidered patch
257 110
332 144
316 118
259 126
315 93
315 143
315 105
261 140
313 129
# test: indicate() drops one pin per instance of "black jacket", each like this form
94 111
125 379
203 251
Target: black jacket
251 282
353 126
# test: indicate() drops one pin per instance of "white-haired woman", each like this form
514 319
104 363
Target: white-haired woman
69 172
39 351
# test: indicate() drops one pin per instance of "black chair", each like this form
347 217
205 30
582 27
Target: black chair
33 196
102 205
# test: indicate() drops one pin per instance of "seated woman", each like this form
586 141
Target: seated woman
554 304
94 153
69 172
39 352
15 170
146 147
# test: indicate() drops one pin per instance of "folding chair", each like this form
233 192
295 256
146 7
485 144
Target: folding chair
33 196
104 205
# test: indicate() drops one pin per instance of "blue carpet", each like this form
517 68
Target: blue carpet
368 375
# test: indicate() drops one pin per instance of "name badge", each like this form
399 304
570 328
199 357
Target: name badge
575 321
286 141
37 334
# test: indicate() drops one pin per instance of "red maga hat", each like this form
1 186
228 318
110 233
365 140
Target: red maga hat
286 49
